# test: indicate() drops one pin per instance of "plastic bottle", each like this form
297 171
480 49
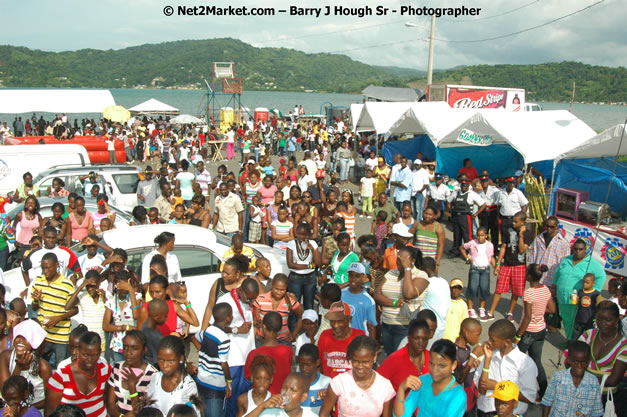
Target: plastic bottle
573 297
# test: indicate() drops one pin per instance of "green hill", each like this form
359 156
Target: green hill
184 64
546 82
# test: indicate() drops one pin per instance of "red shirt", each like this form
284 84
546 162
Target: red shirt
471 173
333 352
169 326
282 355
397 367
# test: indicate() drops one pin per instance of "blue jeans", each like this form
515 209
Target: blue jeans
303 285
344 169
214 407
55 353
4 258
391 336
534 342
240 386
418 206
478 283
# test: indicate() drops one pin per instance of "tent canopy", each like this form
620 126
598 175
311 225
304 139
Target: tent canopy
430 118
154 106
392 93
54 101
380 117
355 111
604 144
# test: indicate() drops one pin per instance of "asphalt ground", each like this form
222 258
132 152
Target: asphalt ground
552 357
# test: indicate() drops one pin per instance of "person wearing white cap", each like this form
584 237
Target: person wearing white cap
363 307
310 325
419 185
401 236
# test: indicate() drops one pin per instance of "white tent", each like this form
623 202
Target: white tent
355 111
379 117
155 107
537 136
430 118
54 101
604 144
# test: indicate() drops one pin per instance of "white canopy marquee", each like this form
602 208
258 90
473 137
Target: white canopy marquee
604 144
379 117
537 136
154 106
54 101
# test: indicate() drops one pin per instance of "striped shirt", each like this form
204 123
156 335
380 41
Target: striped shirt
349 223
282 229
251 191
604 365
63 382
214 351
115 381
551 256
263 305
427 240
54 296
539 298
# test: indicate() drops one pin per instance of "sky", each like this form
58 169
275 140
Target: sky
596 36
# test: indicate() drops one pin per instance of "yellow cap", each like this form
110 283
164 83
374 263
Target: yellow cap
506 391
457 282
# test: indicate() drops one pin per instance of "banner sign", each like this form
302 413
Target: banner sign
466 98
469 137
610 249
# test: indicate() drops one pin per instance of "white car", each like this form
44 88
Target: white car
197 249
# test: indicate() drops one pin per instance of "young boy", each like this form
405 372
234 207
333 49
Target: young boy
214 376
91 260
295 391
362 305
504 361
309 364
588 298
310 324
157 314
367 191
329 294
381 230
282 354
506 398
574 391
467 358
457 312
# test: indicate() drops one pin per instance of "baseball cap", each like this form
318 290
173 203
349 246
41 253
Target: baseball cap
457 283
417 162
320 173
381 158
506 391
310 315
339 310
357 267
518 173
510 179
465 181
439 176
251 161
401 230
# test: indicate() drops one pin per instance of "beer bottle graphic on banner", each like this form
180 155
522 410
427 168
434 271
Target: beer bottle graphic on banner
516 103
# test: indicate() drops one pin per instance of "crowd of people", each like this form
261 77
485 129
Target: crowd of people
359 324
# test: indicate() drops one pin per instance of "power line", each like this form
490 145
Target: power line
490 17
374 46
524 30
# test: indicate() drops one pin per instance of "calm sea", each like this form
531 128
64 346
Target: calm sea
597 116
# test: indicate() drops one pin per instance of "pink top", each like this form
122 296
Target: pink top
353 401
79 231
267 194
471 247
26 229
97 219
539 298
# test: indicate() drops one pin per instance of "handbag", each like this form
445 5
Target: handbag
610 410
351 162
408 312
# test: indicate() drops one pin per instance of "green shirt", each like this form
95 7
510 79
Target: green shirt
569 277
389 209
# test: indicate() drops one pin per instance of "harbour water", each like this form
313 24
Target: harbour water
192 102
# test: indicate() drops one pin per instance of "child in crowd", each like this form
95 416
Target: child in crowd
588 298
281 353
282 229
283 303
214 375
367 191
16 391
92 260
177 198
179 292
457 312
381 230
309 364
262 373
282 167
520 368
481 256
91 302
468 358
612 288
310 324
106 224
329 294
289 402
157 314
153 216
362 305
574 391
179 215
267 168
255 211
506 398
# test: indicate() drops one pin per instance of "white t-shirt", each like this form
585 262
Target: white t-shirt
292 245
366 186
438 300
481 260
174 271
353 400
372 163
303 182
241 344
230 136
89 264
165 400
420 179
302 340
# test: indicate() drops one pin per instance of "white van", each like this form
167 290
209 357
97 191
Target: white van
16 160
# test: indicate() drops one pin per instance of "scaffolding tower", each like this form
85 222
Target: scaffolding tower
224 97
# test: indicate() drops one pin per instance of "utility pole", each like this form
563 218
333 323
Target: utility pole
430 62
